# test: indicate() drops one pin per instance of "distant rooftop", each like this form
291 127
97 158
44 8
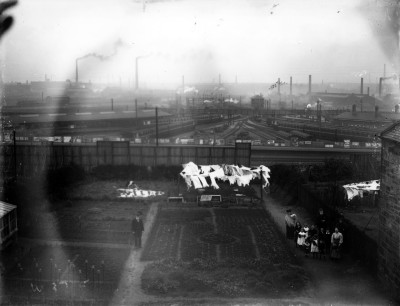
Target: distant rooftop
392 132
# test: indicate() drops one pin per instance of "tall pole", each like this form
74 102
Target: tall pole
15 155
157 126
76 71
136 112
261 187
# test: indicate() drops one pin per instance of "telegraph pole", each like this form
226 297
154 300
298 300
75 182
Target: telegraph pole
15 156
157 126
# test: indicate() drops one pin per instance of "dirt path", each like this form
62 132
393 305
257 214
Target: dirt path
129 291
338 283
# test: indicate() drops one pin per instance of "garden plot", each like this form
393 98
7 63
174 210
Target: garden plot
214 251
66 272
215 233
91 221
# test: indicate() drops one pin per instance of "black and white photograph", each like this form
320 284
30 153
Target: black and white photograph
199 152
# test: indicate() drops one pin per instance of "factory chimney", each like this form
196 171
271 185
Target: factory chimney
380 86
279 86
137 73
376 111
291 86
396 108
76 71
219 77
354 109
309 84
362 86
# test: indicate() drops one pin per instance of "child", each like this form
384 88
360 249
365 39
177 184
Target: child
307 242
314 246
301 237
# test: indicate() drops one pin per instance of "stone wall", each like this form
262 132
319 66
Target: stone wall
389 218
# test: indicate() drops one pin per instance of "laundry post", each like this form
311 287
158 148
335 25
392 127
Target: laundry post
261 186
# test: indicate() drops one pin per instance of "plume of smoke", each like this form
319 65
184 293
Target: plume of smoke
118 44
187 89
361 73
391 77
190 89
231 100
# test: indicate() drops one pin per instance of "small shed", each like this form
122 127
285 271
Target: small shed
8 224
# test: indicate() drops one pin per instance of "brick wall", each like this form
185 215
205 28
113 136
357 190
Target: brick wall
389 218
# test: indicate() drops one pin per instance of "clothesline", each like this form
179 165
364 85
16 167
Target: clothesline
196 176
357 189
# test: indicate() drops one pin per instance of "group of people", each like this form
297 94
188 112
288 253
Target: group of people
318 239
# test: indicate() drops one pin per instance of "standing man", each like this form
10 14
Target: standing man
137 230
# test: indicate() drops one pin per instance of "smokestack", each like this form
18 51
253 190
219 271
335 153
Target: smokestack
380 87
279 86
291 86
376 111
362 86
368 90
309 84
137 73
384 70
219 78
236 79
396 108
76 71
354 109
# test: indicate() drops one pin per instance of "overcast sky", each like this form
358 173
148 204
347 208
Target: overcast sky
255 40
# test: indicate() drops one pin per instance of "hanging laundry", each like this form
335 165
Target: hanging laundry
196 182
235 174
203 181
205 170
358 189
